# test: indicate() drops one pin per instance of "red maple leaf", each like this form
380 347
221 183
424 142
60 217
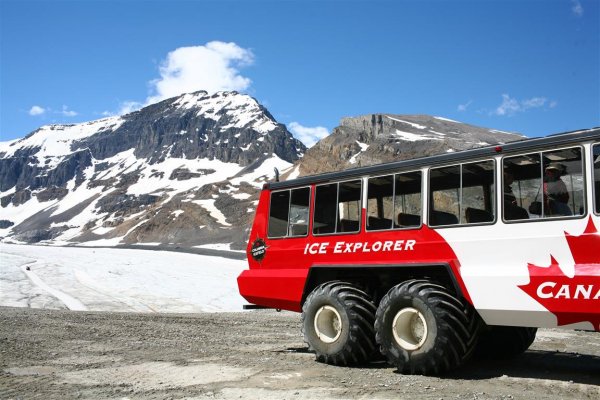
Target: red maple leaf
575 299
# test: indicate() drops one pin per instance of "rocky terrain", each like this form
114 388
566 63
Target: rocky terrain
186 171
49 354
377 138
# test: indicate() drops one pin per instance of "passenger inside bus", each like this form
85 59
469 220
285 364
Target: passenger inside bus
556 195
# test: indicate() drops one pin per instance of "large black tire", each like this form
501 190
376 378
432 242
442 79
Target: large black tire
337 323
422 328
503 342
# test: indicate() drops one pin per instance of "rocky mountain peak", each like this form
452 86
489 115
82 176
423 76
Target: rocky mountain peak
376 138
127 179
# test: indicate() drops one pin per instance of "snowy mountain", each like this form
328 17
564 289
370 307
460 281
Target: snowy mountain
377 138
184 172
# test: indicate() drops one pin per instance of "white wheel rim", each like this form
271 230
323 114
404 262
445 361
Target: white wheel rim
328 324
409 328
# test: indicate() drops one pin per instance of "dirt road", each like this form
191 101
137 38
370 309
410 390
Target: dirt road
64 354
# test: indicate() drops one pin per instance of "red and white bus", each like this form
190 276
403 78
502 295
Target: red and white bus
431 259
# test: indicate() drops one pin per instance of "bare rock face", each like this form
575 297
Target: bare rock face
52 193
377 138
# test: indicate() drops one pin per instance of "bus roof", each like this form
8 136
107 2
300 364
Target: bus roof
555 140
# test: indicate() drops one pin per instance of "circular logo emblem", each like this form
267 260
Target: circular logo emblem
259 248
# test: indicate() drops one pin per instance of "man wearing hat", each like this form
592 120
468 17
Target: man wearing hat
556 196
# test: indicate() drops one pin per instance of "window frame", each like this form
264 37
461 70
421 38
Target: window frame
393 174
337 205
595 194
459 224
540 153
308 223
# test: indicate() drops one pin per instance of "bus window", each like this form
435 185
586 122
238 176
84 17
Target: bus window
299 204
477 199
288 216
349 206
522 184
394 201
407 200
278 214
462 194
596 165
444 206
563 183
337 208
325 209
543 185
380 204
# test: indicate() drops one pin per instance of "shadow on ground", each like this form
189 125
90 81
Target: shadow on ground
536 364
533 364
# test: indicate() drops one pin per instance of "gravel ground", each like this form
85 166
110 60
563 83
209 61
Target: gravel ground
49 354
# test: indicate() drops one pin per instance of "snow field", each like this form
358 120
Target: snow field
104 279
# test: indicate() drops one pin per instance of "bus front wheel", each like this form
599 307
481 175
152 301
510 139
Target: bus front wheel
337 323
422 328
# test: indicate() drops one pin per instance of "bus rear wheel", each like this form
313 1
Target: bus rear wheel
504 342
337 323
422 328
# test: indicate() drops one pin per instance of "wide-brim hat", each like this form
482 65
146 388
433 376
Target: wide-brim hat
556 166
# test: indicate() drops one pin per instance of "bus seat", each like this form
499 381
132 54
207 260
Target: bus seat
477 215
443 218
409 219
298 230
348 225
514 212
374 223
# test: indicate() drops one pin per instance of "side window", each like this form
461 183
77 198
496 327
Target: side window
478 193
299 210
407 200
337 208
349 206
544 185
380 203
325 209
278 214
289 212
394 201
522 184
596 161
444 207
563 183
462 194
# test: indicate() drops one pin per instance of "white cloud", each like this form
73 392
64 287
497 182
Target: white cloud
129 106
37 110
125 107
511 106
577 8
307 135
463 107
534 102
213 67
508 107
66 112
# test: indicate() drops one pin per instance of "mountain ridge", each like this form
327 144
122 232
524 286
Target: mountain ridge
186 172
377 138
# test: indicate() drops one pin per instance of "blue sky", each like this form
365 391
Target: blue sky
526 66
